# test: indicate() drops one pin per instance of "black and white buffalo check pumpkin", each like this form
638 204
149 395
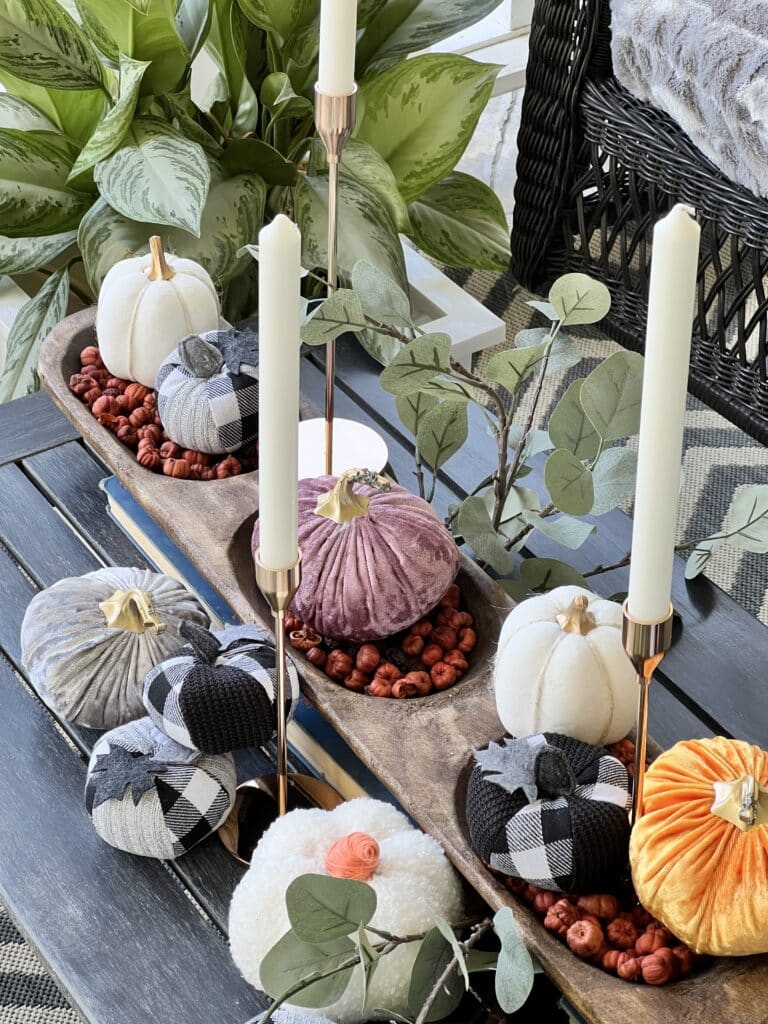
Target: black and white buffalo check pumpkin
217 693
551 810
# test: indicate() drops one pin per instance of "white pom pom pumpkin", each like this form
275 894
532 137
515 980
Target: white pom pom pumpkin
147 304
413 882
561 667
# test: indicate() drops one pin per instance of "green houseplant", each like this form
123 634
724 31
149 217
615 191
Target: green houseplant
124 118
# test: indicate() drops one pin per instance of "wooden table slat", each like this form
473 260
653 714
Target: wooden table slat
34 425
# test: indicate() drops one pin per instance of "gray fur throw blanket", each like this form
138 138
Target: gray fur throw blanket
705 63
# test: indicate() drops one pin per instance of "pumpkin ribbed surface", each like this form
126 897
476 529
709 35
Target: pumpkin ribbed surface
706 879
375 574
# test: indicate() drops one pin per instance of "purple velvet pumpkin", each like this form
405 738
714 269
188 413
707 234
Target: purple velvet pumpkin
374 559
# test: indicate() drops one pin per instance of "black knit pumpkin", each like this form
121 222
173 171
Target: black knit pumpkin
551 810
216 694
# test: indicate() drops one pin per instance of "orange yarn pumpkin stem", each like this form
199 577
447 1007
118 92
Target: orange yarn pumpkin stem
353 856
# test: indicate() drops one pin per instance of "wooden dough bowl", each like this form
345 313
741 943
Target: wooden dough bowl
418 748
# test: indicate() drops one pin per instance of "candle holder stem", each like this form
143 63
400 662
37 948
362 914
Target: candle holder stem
646 643
334 120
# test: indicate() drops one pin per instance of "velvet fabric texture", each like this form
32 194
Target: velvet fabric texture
704 878
375 574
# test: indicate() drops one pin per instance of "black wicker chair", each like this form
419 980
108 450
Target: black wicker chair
596 169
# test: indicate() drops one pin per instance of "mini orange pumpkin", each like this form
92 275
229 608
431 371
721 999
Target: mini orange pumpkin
699 853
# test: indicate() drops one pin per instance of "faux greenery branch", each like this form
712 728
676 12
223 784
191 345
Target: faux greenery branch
331 941
588 470
112 130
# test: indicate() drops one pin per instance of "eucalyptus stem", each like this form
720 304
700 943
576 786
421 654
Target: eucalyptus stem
303 983
474 938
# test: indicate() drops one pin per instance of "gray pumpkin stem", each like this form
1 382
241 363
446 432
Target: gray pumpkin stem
200 357
204 643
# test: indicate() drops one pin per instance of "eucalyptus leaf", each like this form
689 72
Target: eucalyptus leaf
747 520
579 299
453 390
698 559
34 321
545 308
566 530
543 574
441 433
369 959
613 477
339 313
156 176
518 500
111 131
512 366
254 155
479 960
564 353
474 524
434 955
461 221
612 393
570 427
22 255
292 960
42 44
17 113
416 364
514 971
538 441
420 114
34 196
569 483
449 935
413 408
383 298
321 908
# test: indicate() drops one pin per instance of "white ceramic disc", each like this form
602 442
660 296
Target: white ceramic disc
354 446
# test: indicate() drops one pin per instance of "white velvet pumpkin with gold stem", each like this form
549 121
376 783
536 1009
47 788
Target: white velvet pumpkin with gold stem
561 667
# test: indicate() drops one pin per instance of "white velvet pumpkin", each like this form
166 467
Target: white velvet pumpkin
147 304
561 667
414 884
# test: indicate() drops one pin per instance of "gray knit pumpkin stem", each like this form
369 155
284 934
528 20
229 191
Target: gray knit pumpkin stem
204 643
200 357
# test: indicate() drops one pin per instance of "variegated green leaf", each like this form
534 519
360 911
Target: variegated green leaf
20 255
98 35
75 114
280 99
231 219
362 163
281 16
111 131
34 321
460 222
409 26
34 197
193 19
420 115
249 155
156 176
17 113
41 43
226 45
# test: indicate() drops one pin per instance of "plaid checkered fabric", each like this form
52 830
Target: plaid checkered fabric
175 797
219 705
567 842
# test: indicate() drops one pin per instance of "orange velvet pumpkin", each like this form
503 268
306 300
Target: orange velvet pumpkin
699 853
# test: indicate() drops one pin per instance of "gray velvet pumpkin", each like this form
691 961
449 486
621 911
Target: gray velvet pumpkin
88 641
208 392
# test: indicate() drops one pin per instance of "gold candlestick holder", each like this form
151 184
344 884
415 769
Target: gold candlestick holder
259 801
334 121
646 643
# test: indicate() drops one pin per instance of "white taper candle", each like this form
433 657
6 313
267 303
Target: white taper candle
279 349
338 38
665 380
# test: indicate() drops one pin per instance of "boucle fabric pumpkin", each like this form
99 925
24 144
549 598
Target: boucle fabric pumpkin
551 810
374 560
217 692
149 796
92 673
208 392
414 882
704 876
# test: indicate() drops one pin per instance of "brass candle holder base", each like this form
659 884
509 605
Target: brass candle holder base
646 643
260 801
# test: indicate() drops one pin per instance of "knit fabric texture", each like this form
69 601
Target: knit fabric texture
211 404
217 693
152 797
574 841
86 671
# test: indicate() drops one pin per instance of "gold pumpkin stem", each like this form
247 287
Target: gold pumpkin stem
577 619
159 269
131 610
341 504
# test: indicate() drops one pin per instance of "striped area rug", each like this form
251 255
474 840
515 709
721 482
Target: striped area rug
27 993
719 458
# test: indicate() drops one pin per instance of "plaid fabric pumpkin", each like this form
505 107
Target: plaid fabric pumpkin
551 810
217 693
207 391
